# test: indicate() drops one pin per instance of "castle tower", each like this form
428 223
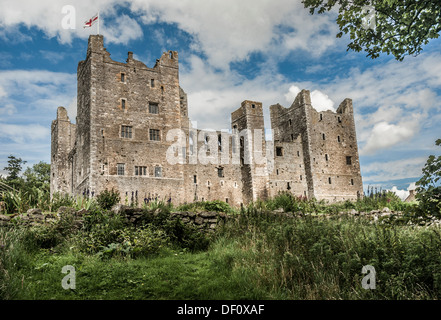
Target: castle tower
248 122
335 165
316 153
125 111
62 141
125 137
292 163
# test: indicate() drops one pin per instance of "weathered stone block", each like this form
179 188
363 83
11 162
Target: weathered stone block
199 221
65 211
208 214
33 211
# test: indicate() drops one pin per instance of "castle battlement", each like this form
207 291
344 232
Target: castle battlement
132 120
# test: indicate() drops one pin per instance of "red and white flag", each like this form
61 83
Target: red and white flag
90 22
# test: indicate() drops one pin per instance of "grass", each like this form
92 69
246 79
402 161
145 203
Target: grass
256 256
169 275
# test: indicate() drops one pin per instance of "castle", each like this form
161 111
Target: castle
133 134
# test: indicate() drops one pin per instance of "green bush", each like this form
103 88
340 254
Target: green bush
42 237
182 235
108 198
108 234
290 203
316 258
186 236
100 229
215 205
134 243
61 200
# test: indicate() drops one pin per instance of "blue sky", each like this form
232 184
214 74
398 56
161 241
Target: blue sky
229 51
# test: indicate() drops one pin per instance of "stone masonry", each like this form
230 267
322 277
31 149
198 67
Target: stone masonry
133 134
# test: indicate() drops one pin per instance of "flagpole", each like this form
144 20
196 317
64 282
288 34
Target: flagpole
98 26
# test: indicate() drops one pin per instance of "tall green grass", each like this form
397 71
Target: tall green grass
256 255
319 258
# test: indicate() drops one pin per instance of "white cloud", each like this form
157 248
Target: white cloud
24 133
8 109
319 100
230 30
122 30
72 110
393 170
384 135
42 89
403 194
47 16
53 56
393 101
224 30
2 92
292 93
25 112
212 100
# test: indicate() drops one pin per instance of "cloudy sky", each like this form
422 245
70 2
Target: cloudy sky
229 51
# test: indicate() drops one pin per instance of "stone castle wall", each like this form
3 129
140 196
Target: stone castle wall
123 139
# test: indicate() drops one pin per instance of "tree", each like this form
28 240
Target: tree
15 165
38 176
429 188
402 27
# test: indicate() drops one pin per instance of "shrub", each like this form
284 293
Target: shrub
186 236
215 205
109 233
315 258
131 242
290 203
42 237
107 199
16 202
60 200
180 234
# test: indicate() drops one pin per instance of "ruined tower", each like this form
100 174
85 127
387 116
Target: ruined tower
316 153
249 123
133 134
63 139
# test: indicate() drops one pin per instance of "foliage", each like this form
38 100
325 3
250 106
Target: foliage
33 188
38 177
314 258
16 201
257 256
15 166
402 27
135 242
290 203
108 198
301 205
429 187
61 200
181 235
215 205
82 202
